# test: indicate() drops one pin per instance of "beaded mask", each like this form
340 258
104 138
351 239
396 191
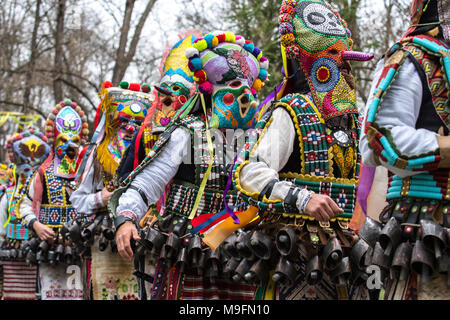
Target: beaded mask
124 109
28 150
315 35
176 85
66 129
232 70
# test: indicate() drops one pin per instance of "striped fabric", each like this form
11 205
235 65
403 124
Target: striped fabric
19 281
199 288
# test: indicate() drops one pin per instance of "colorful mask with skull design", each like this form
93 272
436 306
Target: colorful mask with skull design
124 109
314 34
66 129
176 85
27 150
232 70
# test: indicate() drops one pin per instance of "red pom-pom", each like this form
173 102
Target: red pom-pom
134 87
107 84
221 37
200 76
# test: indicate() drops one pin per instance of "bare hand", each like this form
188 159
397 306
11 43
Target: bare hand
43 232
106 195
322 208
124 234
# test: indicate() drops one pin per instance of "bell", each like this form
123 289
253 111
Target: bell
171 247
41 256
370 231
194 251
258 273
64 231
422 261
262 245
182 259
433 235
13 254
180 227
20 254
43 246
243 267
68 255
314 271
379 258
391 236
51 257
4 254
401 261
31 258
59 252
332 253
154 240
286 243
243 245
212 264
358 253
231 266
229 246
166 223
75 231
108 233
113 245
102 243
285 273
34 244
359 277
342 273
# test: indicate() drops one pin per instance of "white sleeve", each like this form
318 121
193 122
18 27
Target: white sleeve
273 153
154 178
26 204
3 215
86 199
398 113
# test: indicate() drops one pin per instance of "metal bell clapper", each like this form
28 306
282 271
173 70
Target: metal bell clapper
243 267
258 273
422 261
262 245
285 272
286 243
102 243
390 236
433 236
195 251
68 254
332 253
342 273
314 271
401 261
358 254
370 231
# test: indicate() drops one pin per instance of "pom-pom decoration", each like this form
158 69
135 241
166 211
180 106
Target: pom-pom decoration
214 39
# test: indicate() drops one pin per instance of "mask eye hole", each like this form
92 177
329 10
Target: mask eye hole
316 18
333 52
176 88
235 84
228 99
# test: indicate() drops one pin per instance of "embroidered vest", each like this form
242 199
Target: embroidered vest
56 210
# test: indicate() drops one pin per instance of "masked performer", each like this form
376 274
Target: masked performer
228 70
46 208
406 130
302 163
27 151
124 109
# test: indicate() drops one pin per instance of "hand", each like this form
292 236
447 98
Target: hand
105 195
322 208
124 234
43 232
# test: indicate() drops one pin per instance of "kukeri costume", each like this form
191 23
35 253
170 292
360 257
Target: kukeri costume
228 70
306 143
60 267
122 110
406 130
27 151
